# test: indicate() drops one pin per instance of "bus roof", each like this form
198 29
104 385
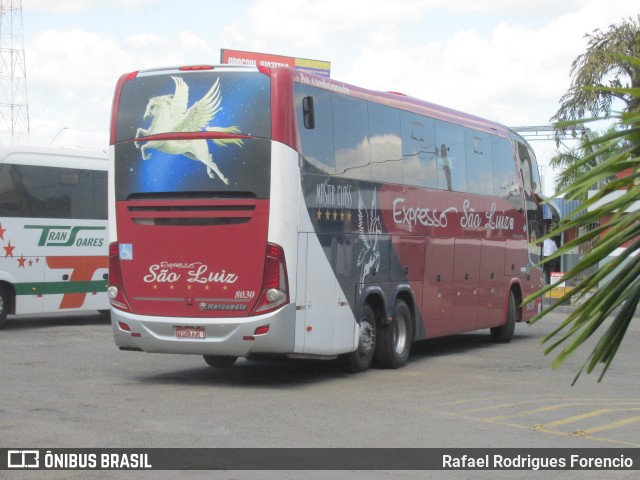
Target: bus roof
92 159
392 99
401 101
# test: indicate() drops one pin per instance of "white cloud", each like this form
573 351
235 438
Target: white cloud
513 71
515 74
72 76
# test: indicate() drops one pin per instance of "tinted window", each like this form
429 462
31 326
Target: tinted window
385 143
505 177
479 163
151 104
418 150
535 174
247 173
100 194
235 103
529 178
49 192
316 143
351 137
450 148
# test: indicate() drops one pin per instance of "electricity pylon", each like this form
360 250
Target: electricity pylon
14 110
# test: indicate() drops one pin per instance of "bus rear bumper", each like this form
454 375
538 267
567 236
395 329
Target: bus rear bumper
238 337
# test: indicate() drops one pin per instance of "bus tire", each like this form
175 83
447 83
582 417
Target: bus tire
4 307
504 333
360 359
394 338
220 361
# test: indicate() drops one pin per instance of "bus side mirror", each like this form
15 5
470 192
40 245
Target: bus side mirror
308 113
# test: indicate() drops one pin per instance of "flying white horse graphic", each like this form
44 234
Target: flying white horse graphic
369 228
169 113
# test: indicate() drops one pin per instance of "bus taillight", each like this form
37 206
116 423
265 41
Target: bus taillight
115 291
275 284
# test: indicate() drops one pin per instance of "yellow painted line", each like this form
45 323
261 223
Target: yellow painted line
576 418
491 407
548 428
572 402
548 408
612 425
543 429
593 413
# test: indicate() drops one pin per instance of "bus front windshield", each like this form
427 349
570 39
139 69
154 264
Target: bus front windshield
208 132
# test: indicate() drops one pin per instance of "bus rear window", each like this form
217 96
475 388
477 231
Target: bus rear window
231 102
208 132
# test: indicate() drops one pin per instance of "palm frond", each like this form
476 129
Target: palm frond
609 297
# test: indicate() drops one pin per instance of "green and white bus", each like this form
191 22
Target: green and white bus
53 230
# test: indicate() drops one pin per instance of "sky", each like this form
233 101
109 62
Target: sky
504 60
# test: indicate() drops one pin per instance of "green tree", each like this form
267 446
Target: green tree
571 169
608 72
614 290
605 63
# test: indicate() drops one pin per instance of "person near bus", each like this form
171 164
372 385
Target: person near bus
549 247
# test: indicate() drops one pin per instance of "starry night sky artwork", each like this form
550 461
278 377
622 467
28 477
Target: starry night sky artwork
245 104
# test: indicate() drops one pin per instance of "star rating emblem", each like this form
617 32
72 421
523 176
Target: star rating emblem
333 215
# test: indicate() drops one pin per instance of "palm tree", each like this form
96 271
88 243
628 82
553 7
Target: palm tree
570 168
608 71
614 290
605 63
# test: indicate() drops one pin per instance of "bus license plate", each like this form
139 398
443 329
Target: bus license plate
190 332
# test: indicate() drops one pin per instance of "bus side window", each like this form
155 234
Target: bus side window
29 185
505 176
351 137
450 148
386 144
316 143
100 203
479 168
8 194
418 150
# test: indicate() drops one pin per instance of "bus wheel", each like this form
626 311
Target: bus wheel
394 339
504 333
360 360
4 307
220 361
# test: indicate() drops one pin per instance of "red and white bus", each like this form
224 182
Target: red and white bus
268 211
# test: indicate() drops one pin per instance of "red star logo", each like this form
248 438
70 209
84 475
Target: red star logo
21 261
2 230
9 249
